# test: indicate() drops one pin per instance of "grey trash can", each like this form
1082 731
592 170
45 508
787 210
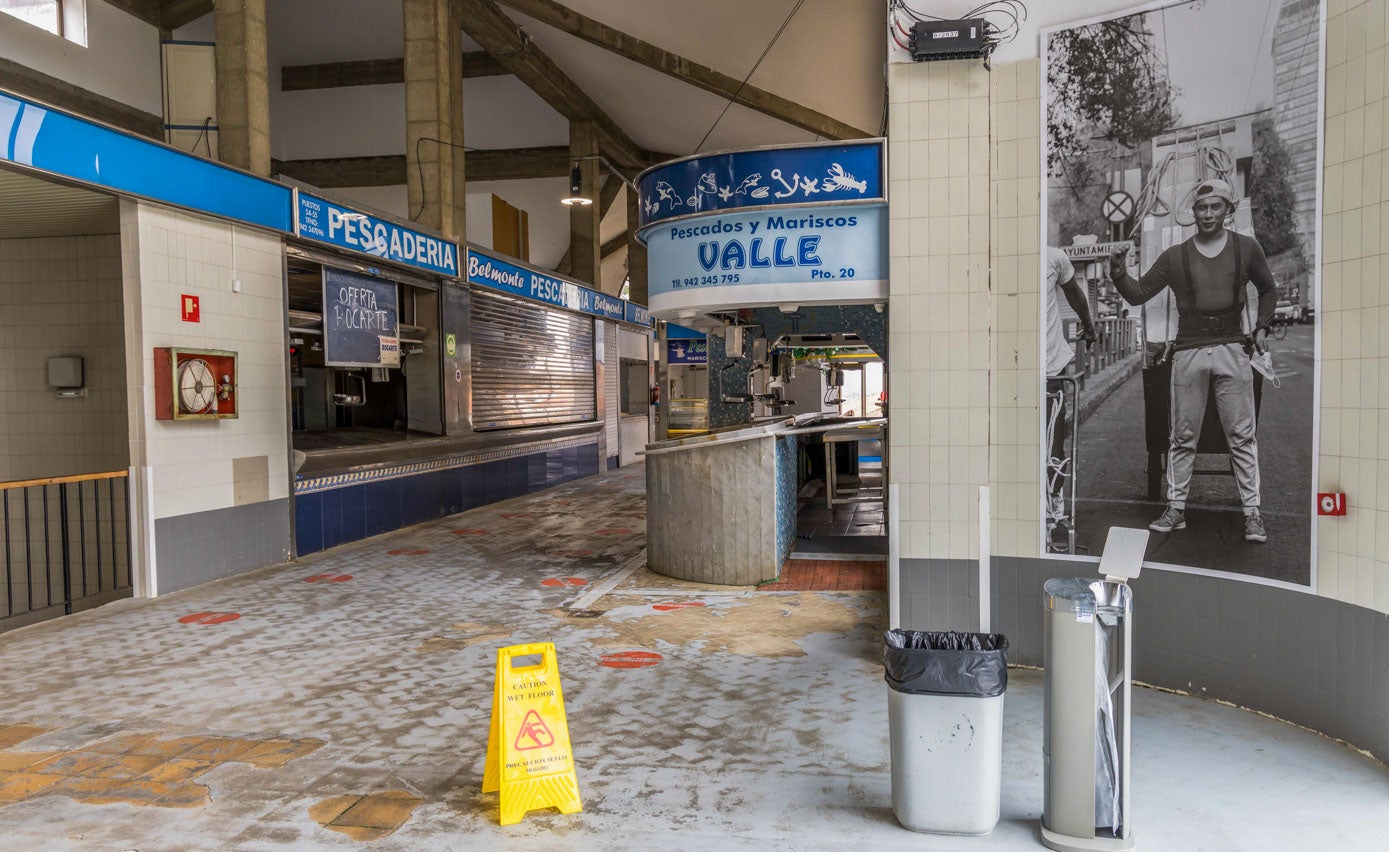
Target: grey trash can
945 722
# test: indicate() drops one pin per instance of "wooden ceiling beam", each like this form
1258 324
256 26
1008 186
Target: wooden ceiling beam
332 75
180 13
517 163
487 25
644 53
478 63
614 245
338 172
148 11
389 170
373 72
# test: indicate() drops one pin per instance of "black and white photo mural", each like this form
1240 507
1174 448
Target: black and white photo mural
1180 285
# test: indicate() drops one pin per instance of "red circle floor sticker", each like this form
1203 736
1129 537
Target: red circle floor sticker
630 659
564 581
328 578
209 618
670 605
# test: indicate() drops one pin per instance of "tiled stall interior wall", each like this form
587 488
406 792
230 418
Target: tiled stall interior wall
61 296
938 160
1014 452
202 466
1353 551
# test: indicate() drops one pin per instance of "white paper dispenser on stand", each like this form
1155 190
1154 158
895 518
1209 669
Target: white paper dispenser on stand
1088 648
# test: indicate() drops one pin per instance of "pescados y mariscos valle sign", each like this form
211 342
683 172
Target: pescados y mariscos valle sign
796 255
326 222
504 276
843 172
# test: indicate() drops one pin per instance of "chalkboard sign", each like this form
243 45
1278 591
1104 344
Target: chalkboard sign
359 320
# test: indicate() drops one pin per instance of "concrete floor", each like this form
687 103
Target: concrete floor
764 727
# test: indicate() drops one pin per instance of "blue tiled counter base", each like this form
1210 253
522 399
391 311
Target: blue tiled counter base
337 515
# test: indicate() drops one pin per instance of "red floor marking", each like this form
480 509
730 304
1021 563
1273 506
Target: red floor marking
328 578
564 581
470 532
405 551
209 618
576 581
630 659
614 531
670 605
551 582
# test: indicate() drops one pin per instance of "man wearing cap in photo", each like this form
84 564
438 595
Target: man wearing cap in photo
1207 275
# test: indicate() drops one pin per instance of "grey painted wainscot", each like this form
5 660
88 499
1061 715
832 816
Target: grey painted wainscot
205 546
1307 659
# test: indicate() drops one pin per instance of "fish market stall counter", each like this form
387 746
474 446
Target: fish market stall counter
721 507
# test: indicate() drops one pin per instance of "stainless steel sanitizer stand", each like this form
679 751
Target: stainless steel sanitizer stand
1088 641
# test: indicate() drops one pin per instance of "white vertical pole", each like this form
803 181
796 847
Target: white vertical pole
985 572
144 573
894 571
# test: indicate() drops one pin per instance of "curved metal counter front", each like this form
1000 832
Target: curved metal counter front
721 508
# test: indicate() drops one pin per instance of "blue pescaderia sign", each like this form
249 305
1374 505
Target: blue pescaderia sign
842 172
326 222
798 225
638 315
50 141
507 276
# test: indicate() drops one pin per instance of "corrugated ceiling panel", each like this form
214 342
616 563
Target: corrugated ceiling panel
32 207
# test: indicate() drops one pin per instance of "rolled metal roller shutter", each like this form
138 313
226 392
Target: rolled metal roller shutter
611 386
531 365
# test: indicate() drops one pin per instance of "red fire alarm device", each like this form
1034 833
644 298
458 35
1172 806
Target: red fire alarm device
1331 503
189 307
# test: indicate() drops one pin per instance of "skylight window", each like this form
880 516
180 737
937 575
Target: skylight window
65 18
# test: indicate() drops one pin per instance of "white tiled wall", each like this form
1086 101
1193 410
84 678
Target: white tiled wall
61 296
938 421
178 253
938 159
1353 551
1015 449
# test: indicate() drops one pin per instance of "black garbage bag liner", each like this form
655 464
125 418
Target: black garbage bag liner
926 662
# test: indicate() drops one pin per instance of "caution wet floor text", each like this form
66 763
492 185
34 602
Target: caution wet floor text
528 755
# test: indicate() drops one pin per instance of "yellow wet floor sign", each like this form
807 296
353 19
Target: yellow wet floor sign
528 754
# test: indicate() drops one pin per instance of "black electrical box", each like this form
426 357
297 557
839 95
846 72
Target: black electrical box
935 40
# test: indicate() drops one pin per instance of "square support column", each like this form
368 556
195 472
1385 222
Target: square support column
434 115
636 250
585 249
243 89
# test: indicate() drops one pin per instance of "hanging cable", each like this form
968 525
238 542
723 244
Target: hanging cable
758 64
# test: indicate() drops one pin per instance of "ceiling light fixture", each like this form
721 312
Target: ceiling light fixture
576 196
